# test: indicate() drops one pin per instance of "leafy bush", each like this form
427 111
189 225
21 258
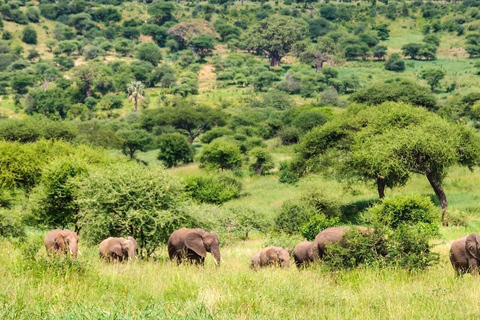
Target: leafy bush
242 220
215 133
396 211
215 189
308 214
173 149
287 174
130 200
403 228
221 154
262 161
289 135
10 224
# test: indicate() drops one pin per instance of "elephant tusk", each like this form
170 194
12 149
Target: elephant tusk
221 259
71 252
79 252
216 263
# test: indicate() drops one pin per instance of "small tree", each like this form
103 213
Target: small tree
136 91
129 200
202 45
395 63
262 161
221 154
275 37
29 35
135 140
379 52
433 77
149 51
411 49
173 149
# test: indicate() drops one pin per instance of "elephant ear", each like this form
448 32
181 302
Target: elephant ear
194 242
60 238
117 249
472 245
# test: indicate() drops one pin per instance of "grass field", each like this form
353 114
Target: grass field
90 289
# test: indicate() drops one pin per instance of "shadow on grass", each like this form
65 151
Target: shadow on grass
352 210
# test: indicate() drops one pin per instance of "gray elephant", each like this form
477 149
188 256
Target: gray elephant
62 242
303 254
192 245
465 254
330 236
271 256
118 249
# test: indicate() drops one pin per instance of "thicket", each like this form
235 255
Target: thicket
403 230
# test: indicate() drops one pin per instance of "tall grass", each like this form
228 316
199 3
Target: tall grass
162 290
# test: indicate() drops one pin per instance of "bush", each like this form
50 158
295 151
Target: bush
213 189
287 173
174 149
10 224
29 35
262 161
396 211
221 154
403 229
308 214
215 133
242 220
129 200
289 135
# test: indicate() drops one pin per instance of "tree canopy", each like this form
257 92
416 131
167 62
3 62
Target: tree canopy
387 143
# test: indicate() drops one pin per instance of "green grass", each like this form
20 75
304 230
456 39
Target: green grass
160 290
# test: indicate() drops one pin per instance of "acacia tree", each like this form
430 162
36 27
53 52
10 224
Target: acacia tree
433 77
317 54
192 119
136 91
275 37
387 143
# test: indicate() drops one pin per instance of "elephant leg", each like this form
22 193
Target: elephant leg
473 265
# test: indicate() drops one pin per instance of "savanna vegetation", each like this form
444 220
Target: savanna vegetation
263 121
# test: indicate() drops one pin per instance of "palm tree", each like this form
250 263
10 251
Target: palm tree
136 91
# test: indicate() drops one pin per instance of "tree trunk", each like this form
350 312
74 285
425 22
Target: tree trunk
88 90
132 153
381 186
191 138
319 65
442 198
136 104
275 61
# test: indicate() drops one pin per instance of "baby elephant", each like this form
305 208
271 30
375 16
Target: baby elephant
276 256
303 254
465 254
118 249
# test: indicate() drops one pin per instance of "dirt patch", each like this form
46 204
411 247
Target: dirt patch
144 38
207 78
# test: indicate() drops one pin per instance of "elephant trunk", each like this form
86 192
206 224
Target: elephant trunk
216 255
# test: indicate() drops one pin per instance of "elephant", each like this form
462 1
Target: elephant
329 236
465 254
118 249
276 256
303 254
61 242
192 245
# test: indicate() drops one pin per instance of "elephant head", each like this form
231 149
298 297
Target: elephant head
203 242
128 249
472 245
135 243
68 240
284 258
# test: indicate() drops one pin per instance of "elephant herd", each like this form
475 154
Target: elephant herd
192 245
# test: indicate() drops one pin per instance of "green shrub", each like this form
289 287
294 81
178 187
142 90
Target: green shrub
396 211
241 220
309 213
316 224
215 189
289 135
215 133
282 240
404 227
127 199
221 154
287 174
261 162
10 224
174 149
